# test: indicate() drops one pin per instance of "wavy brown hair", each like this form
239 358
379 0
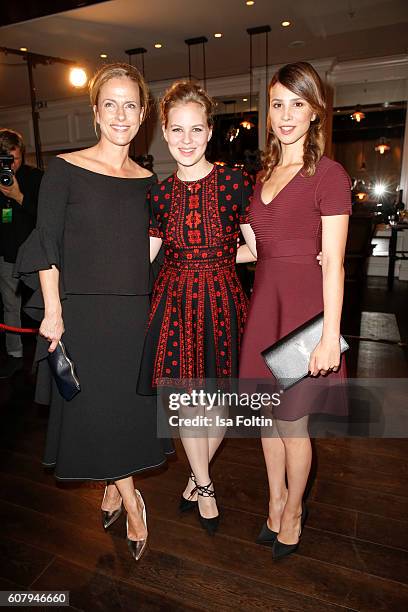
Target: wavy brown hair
302 79
182 92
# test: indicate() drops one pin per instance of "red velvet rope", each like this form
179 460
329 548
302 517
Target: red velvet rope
18 330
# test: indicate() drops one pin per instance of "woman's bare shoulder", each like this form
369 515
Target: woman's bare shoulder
76 156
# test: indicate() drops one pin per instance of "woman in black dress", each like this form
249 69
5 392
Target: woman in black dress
91 249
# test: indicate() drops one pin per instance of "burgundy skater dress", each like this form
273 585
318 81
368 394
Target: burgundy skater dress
288 287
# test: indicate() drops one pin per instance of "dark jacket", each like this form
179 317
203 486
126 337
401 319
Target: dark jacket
24 215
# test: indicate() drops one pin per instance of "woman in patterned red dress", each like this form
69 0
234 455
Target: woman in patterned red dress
303 197
198 307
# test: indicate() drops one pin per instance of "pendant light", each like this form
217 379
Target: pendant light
199 40
233 131
358 114
140 51
382 146
247 124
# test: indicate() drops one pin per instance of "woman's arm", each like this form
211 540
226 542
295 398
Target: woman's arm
326 355
52 325
155 246
250 240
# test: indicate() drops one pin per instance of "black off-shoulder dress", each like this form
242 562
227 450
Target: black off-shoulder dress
94 228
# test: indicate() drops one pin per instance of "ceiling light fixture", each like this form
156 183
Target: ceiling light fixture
382 146
78 77
358 114
247 125
158 45
103 55
360 189
250 2
197 40
285 24
245 99
31 60
140 53
218 35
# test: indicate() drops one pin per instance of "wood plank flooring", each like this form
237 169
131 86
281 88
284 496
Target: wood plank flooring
354 549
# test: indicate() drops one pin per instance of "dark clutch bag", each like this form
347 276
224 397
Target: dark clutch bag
63 370
288 359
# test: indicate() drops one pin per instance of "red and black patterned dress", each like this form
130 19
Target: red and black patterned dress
198 308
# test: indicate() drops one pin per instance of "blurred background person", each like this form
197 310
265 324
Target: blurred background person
18 202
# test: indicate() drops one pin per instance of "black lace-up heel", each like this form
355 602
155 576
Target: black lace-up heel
209 524
186 505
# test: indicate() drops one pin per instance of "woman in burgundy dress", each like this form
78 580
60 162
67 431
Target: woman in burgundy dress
302 200
198 307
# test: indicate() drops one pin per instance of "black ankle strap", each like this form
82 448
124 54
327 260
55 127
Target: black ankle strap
204 490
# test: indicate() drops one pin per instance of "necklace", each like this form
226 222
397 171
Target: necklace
189 185
192 185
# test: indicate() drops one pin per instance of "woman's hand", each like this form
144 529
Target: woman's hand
325 357
244 255
319 258
155 245
52 328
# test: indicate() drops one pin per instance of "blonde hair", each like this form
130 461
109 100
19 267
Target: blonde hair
301 79
114 71
182 92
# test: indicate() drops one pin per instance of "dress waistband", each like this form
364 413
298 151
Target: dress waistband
286 248
200 264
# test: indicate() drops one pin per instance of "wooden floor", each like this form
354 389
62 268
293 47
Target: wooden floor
353 553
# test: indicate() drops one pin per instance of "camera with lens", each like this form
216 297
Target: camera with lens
6 173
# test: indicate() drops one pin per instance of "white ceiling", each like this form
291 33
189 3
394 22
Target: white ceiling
345 29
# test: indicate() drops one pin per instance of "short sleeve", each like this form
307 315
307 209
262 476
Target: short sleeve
333 194
155 217
246 195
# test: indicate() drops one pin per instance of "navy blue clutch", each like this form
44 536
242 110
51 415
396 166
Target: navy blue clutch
63 370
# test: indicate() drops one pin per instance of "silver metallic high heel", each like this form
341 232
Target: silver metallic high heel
137 547
108 518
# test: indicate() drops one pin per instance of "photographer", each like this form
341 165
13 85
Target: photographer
18 210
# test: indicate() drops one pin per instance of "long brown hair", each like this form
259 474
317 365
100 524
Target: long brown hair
302 79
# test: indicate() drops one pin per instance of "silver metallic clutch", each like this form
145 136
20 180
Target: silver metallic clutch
288 359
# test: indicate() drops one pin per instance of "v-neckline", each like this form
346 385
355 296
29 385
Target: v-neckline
280 191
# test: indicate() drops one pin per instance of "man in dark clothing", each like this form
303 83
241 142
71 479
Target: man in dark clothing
18 208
